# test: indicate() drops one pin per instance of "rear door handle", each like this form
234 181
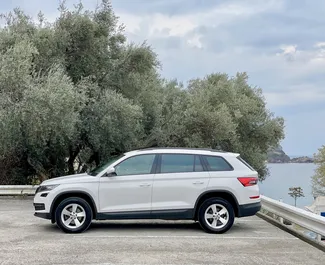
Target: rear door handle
198 182
145 185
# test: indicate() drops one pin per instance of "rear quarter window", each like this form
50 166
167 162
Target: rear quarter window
217 163
245 163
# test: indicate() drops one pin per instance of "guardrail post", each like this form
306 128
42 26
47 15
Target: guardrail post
281 220
319 237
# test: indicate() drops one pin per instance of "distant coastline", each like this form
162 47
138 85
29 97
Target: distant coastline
278 156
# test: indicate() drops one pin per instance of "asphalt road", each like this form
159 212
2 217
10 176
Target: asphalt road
25 239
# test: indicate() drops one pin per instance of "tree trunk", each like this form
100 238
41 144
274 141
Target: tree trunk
93 158
72 157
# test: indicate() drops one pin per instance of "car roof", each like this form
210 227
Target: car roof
180 150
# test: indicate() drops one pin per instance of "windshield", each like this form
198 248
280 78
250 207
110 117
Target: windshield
104 165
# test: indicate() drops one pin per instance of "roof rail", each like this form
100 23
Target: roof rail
183 148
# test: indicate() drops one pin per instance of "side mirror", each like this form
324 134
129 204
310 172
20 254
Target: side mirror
110 173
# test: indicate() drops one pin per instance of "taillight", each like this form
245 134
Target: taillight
248 181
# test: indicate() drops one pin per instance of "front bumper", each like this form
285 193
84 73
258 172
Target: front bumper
248 209
42 204
39 206
43 215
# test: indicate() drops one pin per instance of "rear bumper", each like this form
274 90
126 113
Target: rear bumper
248 209
43 215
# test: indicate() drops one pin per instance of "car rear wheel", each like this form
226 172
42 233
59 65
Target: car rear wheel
73 215
216 215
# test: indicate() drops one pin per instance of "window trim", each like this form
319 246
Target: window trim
159 162
204 157
152 170
204 168
204 163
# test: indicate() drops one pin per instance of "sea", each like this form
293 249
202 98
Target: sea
284 176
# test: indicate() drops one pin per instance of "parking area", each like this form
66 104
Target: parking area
25 239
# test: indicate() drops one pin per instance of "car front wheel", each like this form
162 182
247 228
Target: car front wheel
73 215
216 215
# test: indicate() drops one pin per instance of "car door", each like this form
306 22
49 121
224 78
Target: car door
180 179
130 190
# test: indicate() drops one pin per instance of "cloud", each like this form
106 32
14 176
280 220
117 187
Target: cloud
288 51
181 24
184 7
195 41
279 49
296 95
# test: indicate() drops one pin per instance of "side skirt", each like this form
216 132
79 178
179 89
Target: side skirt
182 214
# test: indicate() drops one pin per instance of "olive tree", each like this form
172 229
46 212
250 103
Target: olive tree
73 93
222 113
318 180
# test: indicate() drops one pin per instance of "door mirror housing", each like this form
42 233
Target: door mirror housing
110 173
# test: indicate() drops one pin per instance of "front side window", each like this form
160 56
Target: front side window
217 163
173 163
102 166
136 165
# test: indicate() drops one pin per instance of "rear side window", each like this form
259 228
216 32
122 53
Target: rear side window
177 163
217 163
245 163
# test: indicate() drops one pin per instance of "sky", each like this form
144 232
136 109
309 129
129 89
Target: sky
279 43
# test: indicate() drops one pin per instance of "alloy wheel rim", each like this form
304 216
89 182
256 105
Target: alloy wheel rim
216 216
73 216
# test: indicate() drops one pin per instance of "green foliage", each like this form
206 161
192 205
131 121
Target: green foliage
112 124
318 180
73 93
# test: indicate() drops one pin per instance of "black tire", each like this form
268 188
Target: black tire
83 206
229 216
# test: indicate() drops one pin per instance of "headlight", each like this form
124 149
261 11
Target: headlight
46 188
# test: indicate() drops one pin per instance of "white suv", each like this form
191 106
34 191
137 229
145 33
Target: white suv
207 186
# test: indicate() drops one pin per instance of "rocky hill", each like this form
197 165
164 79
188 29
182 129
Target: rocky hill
302 159
277 155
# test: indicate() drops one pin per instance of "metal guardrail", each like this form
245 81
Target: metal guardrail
283 213
14 190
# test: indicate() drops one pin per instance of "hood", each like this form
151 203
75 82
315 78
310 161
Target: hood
84 177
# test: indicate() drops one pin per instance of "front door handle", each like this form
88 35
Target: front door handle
198 182
145 185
